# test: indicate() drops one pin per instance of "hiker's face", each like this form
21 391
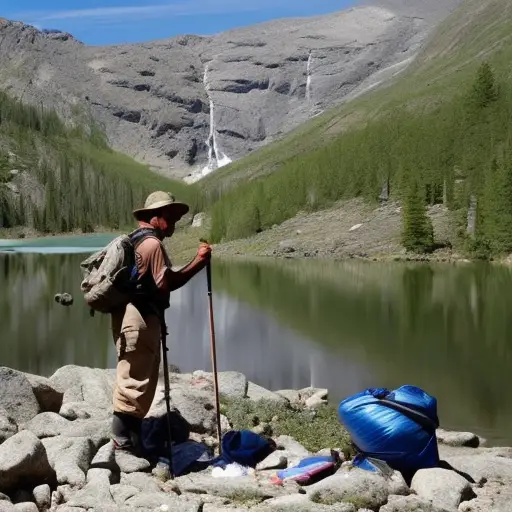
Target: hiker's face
167 223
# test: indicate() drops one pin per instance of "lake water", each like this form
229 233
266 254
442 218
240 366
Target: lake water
345 326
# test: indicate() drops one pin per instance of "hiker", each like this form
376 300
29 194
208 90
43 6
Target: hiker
137 328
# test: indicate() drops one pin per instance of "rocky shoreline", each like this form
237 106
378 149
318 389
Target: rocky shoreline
56 454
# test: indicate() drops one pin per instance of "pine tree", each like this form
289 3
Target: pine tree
417 232
484 90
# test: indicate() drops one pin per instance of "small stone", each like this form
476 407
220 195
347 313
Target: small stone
275 460
457 439
255 392
42 496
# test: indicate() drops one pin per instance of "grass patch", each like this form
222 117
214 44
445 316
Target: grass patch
315 430
359 502
247 497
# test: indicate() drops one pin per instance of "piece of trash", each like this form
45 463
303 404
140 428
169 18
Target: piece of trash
231 470
64 299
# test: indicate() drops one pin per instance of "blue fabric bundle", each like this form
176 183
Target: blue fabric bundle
244 447
397 427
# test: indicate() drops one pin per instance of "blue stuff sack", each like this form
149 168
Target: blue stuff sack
397 427
245 448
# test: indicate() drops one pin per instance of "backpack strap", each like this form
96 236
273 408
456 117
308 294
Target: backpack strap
140 234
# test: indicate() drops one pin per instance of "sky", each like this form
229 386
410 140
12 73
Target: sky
99 22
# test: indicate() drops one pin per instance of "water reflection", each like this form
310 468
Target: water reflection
344 326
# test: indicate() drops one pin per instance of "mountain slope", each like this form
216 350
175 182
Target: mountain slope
426 126
183 104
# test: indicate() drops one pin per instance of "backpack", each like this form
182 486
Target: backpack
110 274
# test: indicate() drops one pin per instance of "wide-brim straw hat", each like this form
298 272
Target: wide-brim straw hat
160 199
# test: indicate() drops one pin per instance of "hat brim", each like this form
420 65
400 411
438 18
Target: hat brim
180 209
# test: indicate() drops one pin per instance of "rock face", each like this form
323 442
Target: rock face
189 104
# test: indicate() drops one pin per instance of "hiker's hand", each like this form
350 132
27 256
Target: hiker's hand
204 252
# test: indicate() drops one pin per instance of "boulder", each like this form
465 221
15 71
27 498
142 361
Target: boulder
255 392
122 492
162 501
457 438
300 503
17 397
309 392
46 424
26 506
294 450
480 468
409 504
83 411
231 384
6 506
443 488
81 383
70 458
105 458
49 398
362 488
8 426
291 395
96 494
129 463
42 496
143 482
98 430
23 458
196 407
276 460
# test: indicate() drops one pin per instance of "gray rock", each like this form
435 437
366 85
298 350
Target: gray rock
129 463
49 398
17 397
300 503
67 508
96 493
255 392
153 501
495 496
70 458
144 482
6 506
92 385
4 497
8 426
98 430
292 395
105 458
231 384
309 392
445 489
196 406
480 468
122 492
213 507
82 410
242 488
315 401
409 504
291 446
23 457
355 486
275 460
47 424
27 506
42 496
458 438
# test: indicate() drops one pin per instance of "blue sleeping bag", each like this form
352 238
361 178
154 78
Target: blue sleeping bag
397 427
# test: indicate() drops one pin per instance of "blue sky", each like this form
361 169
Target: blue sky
118 21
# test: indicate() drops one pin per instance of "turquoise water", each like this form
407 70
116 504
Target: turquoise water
57 244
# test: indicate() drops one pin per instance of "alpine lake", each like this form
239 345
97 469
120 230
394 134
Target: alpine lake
345 326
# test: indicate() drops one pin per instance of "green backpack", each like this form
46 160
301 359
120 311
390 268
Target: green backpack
110 274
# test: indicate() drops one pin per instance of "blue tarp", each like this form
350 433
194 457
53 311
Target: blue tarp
397 426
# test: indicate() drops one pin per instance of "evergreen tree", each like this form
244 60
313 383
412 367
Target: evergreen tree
417 231
484 90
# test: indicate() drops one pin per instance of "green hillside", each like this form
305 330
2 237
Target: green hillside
443 125
60 178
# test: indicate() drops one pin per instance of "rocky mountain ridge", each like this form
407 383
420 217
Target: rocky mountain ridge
189 104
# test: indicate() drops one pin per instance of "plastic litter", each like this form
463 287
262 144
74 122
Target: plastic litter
231 470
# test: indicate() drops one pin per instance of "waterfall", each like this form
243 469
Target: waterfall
308 79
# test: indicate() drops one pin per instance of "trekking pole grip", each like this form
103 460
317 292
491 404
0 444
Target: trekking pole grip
208 270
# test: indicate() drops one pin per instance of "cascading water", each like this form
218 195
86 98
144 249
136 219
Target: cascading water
216 158
308 79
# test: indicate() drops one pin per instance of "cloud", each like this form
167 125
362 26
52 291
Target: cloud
155 11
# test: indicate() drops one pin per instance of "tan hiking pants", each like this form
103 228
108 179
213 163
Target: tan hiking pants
138 360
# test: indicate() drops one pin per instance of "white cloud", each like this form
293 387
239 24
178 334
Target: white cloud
167 10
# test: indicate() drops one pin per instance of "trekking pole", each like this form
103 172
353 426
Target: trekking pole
213 349
167 395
